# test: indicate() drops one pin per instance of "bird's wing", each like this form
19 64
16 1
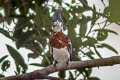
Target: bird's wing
51 51
69 47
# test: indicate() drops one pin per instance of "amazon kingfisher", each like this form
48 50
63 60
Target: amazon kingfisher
60 44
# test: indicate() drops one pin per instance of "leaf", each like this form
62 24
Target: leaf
9 21
102 35
103 2
21 23
81 71
84 2
106 30
89 71
58 1
71 32
5 65
73 1
5 33
33 55
37 19
3 58
83 29
114 11
17 57
16 73
94 78
25 38
65 16
89 54
1 75
97 52
90 41
62 74
36 64
94 16
18 69
106 11
41 18
71 77
111 31
108 46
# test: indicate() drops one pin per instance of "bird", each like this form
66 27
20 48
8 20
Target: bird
60 44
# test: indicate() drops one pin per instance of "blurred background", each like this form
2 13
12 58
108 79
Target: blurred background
25 27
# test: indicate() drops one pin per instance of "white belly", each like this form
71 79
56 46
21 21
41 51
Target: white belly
61 55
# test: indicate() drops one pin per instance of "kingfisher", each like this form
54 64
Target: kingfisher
60 44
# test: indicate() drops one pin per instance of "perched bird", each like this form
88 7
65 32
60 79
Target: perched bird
60 44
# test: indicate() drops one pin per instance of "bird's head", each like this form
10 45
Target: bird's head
57 22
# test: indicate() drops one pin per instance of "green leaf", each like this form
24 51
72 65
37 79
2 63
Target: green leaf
19 27
94 78
89 54
106 30
73 1
114 10
33 55
71 77
3 58
25 38
17 57
65 16
81 71
9 21
62 74
41 18
1 75
58 1
5 33
103 2
18 69
36 64
84 2
94 16
108 46
5 65
102 35
111 31
97 52
83 29
90 41
16 72
106 11
71 32
89 71
86 73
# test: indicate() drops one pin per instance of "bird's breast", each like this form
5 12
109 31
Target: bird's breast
61 55
58 40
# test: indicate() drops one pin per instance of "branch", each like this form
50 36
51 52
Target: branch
4 18
43 73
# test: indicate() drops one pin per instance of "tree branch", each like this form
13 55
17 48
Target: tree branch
43 73
4 18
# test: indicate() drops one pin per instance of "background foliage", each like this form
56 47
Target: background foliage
32 19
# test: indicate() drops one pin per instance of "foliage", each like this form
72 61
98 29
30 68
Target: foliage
32 19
